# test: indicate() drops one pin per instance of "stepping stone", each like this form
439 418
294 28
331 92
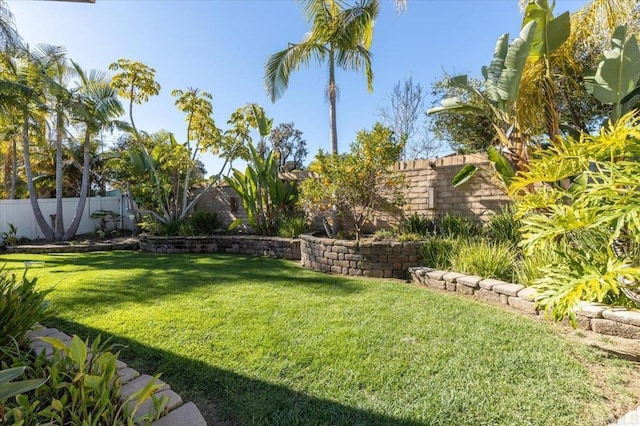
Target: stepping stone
188 414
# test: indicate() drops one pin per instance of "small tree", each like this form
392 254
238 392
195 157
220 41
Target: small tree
357 184
287 142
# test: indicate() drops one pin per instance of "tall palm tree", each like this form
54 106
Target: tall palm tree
97 109
60 99
339 35
21 85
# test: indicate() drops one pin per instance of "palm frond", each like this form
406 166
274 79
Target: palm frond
355 59
279 65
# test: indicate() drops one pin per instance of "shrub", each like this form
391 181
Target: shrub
291 226
420 224
436 252
504 227
21 307
485 259
457 226
204 222
83 388
383 234
356 184
410 236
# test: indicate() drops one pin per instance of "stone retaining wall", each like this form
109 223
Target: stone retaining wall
369 259
597 317
176 412
276 247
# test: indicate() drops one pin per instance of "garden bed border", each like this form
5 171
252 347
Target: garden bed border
256 245
380 259
596 317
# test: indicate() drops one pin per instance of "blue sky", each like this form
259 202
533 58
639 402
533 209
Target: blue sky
220 46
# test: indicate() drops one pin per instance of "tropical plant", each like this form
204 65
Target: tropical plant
265 196
355 184
10 388
341 36
22 305
10 237
83 388
9 37
583 185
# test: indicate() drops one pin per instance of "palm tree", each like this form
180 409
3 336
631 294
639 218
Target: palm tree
21 85
341 36
60 100
9 37
96 109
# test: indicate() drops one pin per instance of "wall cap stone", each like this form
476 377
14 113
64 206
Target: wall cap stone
489 283
623 316
508 289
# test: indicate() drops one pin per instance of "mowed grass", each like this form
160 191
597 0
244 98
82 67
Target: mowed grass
267 342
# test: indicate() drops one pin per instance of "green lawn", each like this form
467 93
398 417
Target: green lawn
270 343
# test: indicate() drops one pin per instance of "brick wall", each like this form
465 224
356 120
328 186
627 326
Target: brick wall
369 259
280 248
429 192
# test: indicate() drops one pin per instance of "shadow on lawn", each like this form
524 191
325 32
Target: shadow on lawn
148 277
223 395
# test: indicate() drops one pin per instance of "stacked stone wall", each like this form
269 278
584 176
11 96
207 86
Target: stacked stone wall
369 259
280 248
597 317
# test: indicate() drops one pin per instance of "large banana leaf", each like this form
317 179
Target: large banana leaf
502 165
514 63
454 104
494 71
550 32
464 175
618 73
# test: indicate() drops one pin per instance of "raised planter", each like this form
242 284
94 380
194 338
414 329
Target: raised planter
276 247
370 259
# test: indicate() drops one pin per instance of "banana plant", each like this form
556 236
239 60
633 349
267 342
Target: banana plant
502 79
615 82
264 194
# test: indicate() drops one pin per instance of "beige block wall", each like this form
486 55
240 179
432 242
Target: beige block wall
479 196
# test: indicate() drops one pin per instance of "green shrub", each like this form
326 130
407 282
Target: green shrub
383 234
485 259
410 236
457 226
531 267
436 252
419 224
21 307
291 226
83 389
204 222
504 227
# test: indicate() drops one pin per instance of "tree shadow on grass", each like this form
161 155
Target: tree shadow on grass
144 278
227 396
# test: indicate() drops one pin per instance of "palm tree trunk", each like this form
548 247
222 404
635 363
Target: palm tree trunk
84 190
332 102
59 227
42 222
14 167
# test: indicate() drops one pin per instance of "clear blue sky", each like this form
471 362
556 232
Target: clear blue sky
220 46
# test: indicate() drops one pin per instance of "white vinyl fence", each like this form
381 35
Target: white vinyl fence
20 214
